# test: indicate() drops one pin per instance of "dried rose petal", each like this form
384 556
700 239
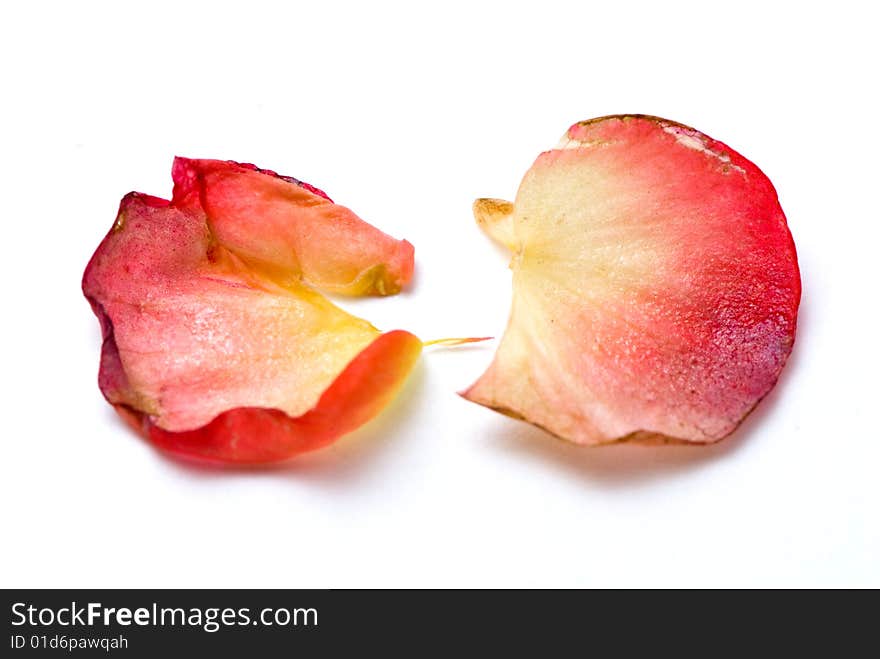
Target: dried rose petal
284 227
656 286
211 354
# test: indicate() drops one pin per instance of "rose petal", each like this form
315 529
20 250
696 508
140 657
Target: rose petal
280 226
656 287
213 358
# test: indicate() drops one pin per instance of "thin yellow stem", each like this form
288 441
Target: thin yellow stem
455 341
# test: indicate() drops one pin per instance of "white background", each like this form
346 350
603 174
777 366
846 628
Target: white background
406 113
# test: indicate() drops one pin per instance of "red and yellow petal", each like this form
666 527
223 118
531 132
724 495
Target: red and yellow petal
286 228
656 287
211 357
